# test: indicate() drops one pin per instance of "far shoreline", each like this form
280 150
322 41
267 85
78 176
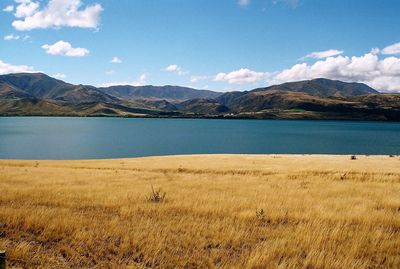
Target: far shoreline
231 156
198 118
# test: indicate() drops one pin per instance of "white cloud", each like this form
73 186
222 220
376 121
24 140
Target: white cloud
59 76
116 60
243 2
65 49
11 37
57 13
119 83
323 54
381 74
25 8
374 69
375 51
172 68
197 78
241 76
16 37
140 81
110 72
9 8
392 49
176 69
6 68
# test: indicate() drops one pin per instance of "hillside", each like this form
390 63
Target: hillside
202 106
35 85
314 99
169 93
323 88
41 86
39 94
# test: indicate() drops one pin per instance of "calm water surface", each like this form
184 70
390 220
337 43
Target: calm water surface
88 138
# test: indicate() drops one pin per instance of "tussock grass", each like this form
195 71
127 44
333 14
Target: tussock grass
157 196
222 212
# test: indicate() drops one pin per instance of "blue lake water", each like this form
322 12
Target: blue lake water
89 138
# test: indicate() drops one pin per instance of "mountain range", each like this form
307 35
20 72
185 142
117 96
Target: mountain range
39 94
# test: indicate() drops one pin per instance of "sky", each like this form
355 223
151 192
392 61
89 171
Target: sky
222 45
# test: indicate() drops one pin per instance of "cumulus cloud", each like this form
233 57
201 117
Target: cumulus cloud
65 49
6 68
373 68
392 49
176 69
25 8
59 76
57 13
243 2
9 8
140 81
116 60
323 54
381 74
241 76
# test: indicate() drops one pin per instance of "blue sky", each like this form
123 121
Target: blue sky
219 45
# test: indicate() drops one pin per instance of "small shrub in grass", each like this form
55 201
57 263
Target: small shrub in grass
260 214
157 196
262 218
353 157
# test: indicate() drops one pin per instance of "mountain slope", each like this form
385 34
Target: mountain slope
324 103
39 94
323 88
33 107
202 106
37 107
41 86
169 93
36 85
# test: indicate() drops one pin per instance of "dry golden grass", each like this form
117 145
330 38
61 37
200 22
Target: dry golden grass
221 211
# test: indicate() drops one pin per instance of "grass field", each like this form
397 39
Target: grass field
220 211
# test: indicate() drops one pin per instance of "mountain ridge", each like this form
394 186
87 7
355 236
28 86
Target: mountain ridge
166 92
40 94
323 87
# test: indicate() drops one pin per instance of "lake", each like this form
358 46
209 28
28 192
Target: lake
92 138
